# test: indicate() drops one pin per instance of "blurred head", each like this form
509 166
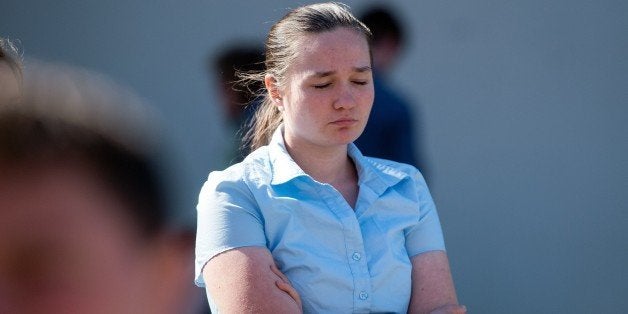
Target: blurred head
84 224
388 36
10 72
226 65
283 51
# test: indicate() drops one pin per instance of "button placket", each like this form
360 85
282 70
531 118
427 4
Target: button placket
356 256
363 295
354 246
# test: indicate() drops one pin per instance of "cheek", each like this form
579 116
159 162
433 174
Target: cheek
300 106
73 279
65 268
366 98
64 247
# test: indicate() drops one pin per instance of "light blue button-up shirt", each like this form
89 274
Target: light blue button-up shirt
338 259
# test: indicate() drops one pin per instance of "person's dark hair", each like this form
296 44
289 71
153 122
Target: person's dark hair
383 23
240 58
66 118
281 43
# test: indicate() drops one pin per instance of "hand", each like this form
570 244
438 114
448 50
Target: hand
284 285
450 309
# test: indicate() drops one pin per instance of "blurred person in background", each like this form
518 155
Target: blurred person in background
85 221
392 128
239 101
10 72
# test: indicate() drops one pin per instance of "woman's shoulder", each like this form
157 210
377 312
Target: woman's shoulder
394 168
393 173
253 168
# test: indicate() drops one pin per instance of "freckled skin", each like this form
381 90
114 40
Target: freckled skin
332 110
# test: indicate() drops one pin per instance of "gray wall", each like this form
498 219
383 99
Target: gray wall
523 108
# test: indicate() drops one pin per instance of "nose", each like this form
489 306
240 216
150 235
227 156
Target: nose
345 98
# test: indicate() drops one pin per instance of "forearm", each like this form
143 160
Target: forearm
241 281
432 284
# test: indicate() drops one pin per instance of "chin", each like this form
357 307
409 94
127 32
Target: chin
357 134
348 138
341 136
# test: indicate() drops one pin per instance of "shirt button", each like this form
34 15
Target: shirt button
356 256
363 295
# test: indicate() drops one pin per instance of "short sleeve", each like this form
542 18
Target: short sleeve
426 235
227 218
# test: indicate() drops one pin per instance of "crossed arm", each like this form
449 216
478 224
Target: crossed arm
250 282
432 286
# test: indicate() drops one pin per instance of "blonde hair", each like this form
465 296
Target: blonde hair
280 51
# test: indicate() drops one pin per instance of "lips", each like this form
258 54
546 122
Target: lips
345 122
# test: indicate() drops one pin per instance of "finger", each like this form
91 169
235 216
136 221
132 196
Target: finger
279 273
284 286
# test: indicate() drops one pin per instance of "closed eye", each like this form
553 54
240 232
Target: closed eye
321 86
360 82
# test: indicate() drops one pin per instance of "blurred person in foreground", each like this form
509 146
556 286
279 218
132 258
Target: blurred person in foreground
10 72
239 102
85 223
391 129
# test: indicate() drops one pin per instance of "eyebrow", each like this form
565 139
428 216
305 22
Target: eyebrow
356 69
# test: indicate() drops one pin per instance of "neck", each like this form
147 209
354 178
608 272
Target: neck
333 167
328 165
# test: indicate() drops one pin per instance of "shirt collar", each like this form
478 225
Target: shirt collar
283 167
376 175
373 173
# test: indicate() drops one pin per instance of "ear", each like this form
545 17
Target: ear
273 89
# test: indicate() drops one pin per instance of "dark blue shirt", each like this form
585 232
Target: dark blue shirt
390 131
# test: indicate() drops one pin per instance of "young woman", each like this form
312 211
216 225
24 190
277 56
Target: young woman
351 233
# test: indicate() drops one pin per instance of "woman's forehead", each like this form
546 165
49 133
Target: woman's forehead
341 47
340 36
